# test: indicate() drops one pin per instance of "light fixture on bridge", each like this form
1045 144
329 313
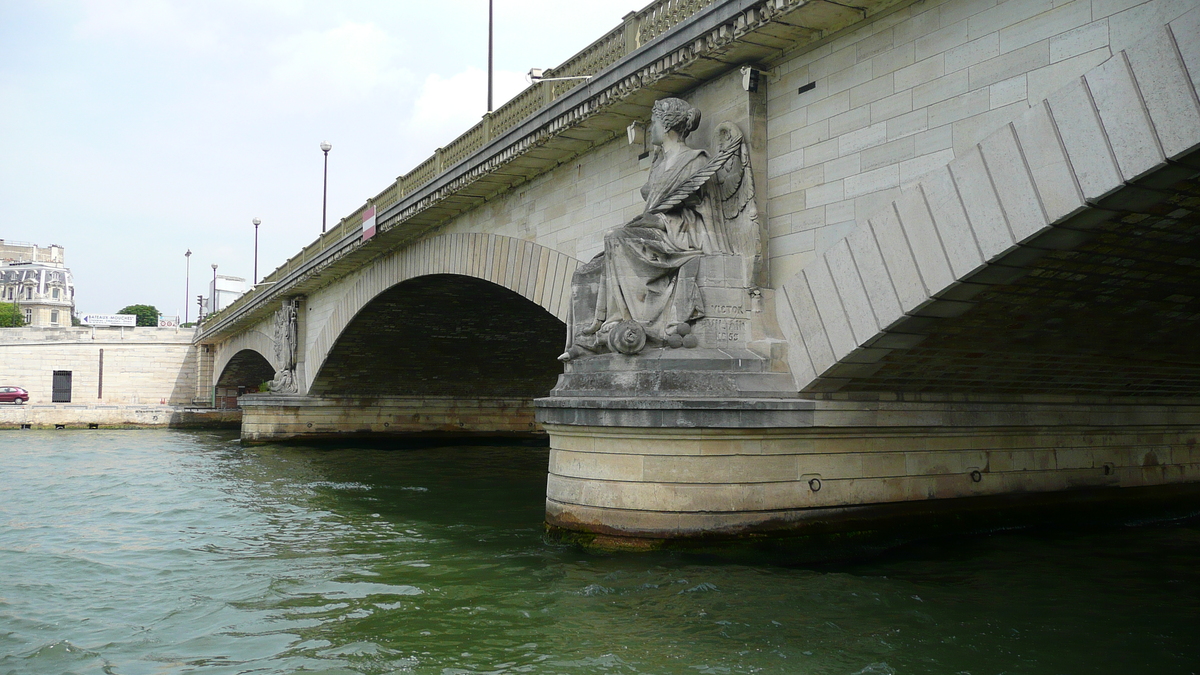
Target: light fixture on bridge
212 296
536 75
751 75
187 280
256 222
325 148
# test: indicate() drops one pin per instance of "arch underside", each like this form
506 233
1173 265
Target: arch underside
444 335
537 274
1117 313
253 340
247 368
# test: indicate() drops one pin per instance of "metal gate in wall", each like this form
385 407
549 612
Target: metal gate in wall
62 386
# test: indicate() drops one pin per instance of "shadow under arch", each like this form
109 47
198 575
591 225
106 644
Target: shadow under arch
246 368
254 340
445 335
539 274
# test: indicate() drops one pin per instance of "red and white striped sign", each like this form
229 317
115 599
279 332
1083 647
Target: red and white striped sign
368 229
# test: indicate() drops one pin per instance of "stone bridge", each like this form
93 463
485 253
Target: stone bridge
981 275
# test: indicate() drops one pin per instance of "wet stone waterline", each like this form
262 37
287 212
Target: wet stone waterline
131 552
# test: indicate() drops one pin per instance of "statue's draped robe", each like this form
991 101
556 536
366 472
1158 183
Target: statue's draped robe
642 278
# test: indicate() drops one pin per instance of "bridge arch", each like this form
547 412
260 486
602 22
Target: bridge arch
246 356
539 274
444 336
247 368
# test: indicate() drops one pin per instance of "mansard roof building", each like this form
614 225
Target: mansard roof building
38 281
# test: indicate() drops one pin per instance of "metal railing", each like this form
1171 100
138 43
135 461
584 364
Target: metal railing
637 29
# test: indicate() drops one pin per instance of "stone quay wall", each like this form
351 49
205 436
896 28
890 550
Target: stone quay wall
101 416
142 366
149 379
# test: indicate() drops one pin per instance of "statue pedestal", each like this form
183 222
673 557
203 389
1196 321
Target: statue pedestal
652 447
639 472
677 373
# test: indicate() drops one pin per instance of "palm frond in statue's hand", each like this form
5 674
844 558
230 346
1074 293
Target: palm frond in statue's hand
698 179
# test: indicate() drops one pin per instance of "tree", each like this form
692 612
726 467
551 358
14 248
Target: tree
147 315
10 315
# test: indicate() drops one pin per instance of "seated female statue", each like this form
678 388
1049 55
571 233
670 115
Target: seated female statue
643 280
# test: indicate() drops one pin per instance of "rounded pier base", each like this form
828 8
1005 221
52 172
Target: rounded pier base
640 474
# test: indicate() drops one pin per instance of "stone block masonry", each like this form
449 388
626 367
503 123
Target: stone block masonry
119 378
71 417
642 477
270 417
139 367
1056 256
907 91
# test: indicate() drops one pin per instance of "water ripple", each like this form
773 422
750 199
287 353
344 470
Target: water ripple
155 552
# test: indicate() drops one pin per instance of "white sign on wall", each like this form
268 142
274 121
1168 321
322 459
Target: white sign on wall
108 319
168 321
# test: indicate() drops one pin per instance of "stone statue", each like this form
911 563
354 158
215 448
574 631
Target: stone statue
643 289
284 383
285 348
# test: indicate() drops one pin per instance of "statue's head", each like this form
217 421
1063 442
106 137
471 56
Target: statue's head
676 114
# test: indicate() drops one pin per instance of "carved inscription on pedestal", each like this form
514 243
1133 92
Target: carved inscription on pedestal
722 332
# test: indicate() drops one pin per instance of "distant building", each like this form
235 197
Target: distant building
223 290
37 280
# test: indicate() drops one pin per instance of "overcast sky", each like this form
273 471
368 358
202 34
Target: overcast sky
137 129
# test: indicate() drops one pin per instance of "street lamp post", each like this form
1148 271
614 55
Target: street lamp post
212 297
325 148
489 106
187 280
256 222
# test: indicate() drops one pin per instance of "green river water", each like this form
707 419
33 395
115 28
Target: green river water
150 552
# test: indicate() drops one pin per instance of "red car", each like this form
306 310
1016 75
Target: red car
15 395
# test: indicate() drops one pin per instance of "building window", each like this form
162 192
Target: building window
28 315
54 317
56 294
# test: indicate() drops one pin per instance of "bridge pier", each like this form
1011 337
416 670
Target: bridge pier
274 417
648 472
